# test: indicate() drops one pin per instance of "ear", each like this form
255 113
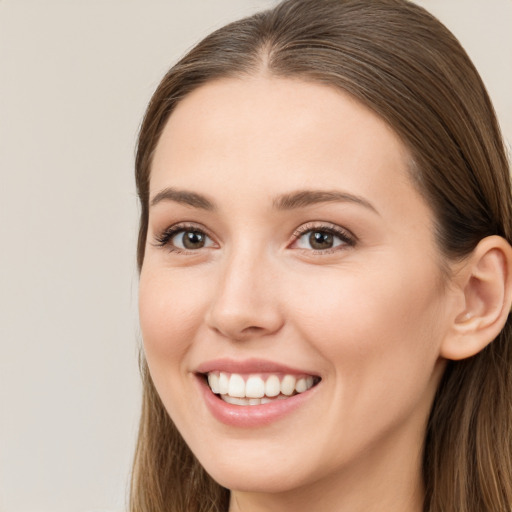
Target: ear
484 283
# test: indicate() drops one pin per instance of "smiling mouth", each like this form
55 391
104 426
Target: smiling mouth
251 389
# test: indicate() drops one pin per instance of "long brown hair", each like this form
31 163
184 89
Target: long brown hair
402 63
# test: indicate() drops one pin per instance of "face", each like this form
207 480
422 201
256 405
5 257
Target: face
291 261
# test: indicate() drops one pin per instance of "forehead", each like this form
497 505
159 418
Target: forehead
265 135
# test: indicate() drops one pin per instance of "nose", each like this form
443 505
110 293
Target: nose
246 300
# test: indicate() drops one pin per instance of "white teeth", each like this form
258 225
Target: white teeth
254 387
244 401
213 381
288 385
234 389
272 386
301 386
233 400
223 383
236 386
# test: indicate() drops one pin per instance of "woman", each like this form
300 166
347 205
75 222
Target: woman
325 270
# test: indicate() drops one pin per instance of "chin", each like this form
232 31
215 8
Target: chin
256 480
259 468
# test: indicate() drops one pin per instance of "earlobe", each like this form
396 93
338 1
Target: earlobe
485 283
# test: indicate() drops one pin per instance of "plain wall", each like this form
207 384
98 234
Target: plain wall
75 77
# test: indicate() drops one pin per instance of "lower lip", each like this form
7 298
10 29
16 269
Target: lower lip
247 416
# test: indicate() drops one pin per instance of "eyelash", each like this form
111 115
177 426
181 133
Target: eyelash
348 239
164 239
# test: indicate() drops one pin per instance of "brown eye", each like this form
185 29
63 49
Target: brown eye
323 239
193 239
184 239
190 240
319 240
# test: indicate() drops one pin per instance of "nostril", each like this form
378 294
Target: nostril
236 332
252 330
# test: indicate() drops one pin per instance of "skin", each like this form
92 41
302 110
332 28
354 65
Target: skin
368 316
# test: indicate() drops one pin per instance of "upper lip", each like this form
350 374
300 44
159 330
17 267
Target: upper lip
249 366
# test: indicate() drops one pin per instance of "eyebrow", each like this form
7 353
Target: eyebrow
183 197
305 198
290 201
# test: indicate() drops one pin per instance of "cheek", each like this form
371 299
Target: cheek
168 312
378 335
353 304
375 328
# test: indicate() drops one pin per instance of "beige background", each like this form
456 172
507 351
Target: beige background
75 77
